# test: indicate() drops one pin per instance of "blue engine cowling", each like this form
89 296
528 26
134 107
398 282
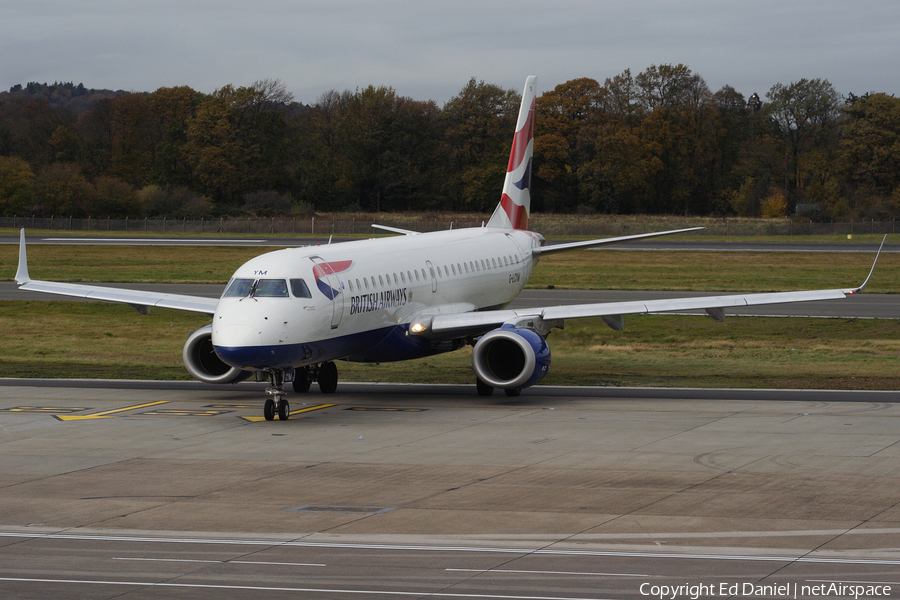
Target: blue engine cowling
202 362
511 357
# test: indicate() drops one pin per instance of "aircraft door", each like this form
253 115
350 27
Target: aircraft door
522 257
331 286
433 276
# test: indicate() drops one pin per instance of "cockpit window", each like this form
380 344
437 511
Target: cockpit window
239 288
271 288
257 288
300 289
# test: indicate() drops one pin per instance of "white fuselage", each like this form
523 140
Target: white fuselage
355 300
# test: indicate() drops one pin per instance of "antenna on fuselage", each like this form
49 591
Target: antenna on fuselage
329 239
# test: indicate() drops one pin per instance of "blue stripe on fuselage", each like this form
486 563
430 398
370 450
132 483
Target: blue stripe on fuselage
387 344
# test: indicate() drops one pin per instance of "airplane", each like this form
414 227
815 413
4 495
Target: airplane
287 316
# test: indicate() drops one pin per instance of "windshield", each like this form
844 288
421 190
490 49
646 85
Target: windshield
256 288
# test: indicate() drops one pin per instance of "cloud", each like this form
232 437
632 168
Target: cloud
429 50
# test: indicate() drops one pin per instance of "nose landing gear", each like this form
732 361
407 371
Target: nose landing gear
325 374
276 403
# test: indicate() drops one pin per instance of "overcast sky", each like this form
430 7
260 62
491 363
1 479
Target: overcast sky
428 50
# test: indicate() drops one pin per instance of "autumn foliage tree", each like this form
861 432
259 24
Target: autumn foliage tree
658 141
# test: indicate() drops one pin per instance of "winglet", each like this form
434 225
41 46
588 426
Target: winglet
22 274
872 270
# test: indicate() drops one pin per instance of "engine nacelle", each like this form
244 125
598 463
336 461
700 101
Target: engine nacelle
202 362
511 357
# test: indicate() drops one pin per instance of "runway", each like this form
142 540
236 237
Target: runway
173 489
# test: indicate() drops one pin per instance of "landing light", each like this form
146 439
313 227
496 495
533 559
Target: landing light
418 327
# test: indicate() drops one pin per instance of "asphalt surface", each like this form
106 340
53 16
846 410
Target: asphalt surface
172 489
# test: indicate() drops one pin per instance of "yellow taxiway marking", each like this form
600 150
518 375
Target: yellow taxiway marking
107 414
293 412
43 409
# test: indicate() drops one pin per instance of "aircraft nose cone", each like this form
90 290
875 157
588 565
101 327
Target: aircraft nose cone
236 345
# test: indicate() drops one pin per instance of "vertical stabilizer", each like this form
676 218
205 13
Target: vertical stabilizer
514 209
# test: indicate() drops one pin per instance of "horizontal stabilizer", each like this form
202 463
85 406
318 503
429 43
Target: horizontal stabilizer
544 250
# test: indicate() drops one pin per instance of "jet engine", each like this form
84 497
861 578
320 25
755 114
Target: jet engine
202 362
511 357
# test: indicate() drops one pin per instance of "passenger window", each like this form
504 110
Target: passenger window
300 289
366 281
373 282
381 281
417 275
402 277
454 269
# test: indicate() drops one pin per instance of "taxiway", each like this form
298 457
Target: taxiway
144 489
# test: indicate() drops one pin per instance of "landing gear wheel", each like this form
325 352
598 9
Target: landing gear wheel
284 410
269 409
301 380
327 378
513 392
483 388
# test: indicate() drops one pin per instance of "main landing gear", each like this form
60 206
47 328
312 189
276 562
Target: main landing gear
325 374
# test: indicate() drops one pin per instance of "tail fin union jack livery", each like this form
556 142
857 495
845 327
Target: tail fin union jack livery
286 316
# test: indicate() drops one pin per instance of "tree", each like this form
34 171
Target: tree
235 142
478 127
870 143
806 115
115 198
566 114
62 190
172 110
16 185
27 126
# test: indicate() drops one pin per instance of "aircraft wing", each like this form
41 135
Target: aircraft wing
543 318
140 300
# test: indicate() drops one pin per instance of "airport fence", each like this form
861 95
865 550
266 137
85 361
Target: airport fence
553 225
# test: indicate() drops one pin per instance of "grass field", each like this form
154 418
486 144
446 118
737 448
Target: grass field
69 339
65 339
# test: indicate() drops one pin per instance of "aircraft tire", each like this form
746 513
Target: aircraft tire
513 392
284 410
483 388
301 380
327 378
269 409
